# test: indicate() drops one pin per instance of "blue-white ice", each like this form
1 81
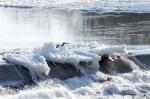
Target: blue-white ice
99 6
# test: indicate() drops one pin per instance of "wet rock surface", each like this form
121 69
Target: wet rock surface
120 65
14 75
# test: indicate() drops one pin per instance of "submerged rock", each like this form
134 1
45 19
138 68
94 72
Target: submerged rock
111 66
13 75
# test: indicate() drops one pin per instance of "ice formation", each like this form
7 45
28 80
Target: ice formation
122 86
80 55
36 64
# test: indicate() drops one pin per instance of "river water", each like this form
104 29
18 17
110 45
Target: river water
31 23
33 27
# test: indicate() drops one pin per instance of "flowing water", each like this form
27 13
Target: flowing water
28 24
33 27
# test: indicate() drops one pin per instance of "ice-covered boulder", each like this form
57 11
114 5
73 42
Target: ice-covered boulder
121 64
35 63
69 60
13 75
80 55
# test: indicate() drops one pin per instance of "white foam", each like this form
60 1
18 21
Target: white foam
100 6
85 87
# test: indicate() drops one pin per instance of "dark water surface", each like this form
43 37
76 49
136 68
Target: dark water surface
32 27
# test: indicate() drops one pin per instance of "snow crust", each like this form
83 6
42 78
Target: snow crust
99 6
